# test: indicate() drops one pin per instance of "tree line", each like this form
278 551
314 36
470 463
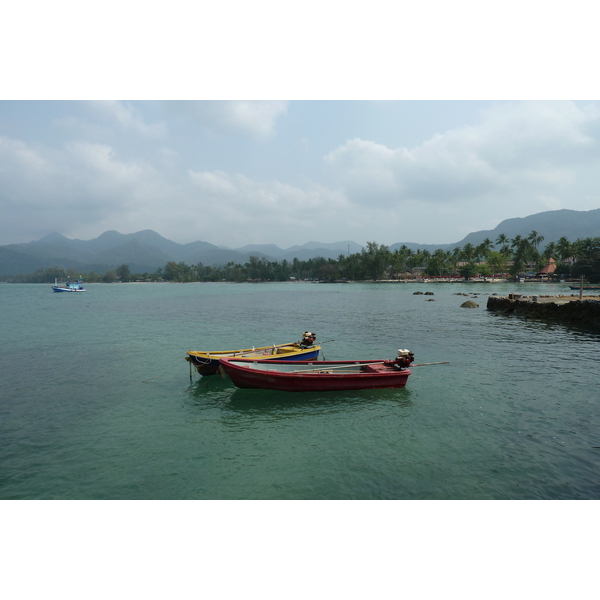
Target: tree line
503 257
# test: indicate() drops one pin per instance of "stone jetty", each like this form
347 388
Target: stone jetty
568 309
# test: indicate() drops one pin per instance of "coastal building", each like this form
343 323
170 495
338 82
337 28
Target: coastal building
549 269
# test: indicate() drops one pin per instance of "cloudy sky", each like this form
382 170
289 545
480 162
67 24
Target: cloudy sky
248 172
319 168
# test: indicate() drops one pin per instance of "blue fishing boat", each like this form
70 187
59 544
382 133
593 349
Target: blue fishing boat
68 286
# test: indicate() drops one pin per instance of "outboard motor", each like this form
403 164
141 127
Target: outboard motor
308 339
404 358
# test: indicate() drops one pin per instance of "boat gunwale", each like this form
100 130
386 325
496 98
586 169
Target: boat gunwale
218 354
319 371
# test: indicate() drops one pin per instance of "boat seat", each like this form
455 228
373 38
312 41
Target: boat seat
372 368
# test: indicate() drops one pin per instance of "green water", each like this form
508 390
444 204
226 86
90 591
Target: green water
96 400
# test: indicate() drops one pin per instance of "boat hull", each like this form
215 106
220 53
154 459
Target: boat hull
208 363
322 376
586 288
68 286
57 288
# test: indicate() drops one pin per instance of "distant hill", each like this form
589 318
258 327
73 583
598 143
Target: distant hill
304 252
144 251
263 250
552 225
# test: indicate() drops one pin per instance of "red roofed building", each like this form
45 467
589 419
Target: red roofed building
549 268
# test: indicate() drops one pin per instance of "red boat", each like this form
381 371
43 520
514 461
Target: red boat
319 376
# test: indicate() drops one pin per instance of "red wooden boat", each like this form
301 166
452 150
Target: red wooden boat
319 376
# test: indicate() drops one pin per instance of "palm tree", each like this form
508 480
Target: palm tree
437 263
535 239
502 239
468 252
523 253
426 256
564 248
577 247
487 244
451 259
376 259
516 242
550 251
415 259
484 249
398 260
342 265
496 262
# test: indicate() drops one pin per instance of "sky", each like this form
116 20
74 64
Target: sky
368 149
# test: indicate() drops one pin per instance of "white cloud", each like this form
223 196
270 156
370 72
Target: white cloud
128 118
254 119
533 148
256 211
77 188
550 202
215 185
257 118
26 171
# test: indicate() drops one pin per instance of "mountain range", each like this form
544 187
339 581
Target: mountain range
551 224
146 251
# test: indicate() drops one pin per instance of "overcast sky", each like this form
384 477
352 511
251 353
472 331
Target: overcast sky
242 172
234 173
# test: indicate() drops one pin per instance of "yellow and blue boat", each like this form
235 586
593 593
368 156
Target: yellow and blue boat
208 362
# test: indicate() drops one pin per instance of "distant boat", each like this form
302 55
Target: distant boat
208 362
585 288
68 286
319 376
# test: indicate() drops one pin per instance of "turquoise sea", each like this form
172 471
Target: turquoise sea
96 400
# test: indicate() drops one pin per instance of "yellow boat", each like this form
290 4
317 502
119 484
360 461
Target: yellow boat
208 362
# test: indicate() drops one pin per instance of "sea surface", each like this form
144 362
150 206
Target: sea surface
97 401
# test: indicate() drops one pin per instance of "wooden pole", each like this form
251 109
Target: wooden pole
321 366
362 364
250 352
446 362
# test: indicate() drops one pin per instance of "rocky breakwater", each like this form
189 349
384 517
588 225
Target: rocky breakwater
568 309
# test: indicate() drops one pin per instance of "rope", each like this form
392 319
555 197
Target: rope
196 359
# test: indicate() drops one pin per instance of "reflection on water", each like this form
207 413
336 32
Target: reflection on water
246 400
215 391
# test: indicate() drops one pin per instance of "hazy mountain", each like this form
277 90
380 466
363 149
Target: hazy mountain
336 247
304 252
143 251
263 249
147 250
552 225
140 257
